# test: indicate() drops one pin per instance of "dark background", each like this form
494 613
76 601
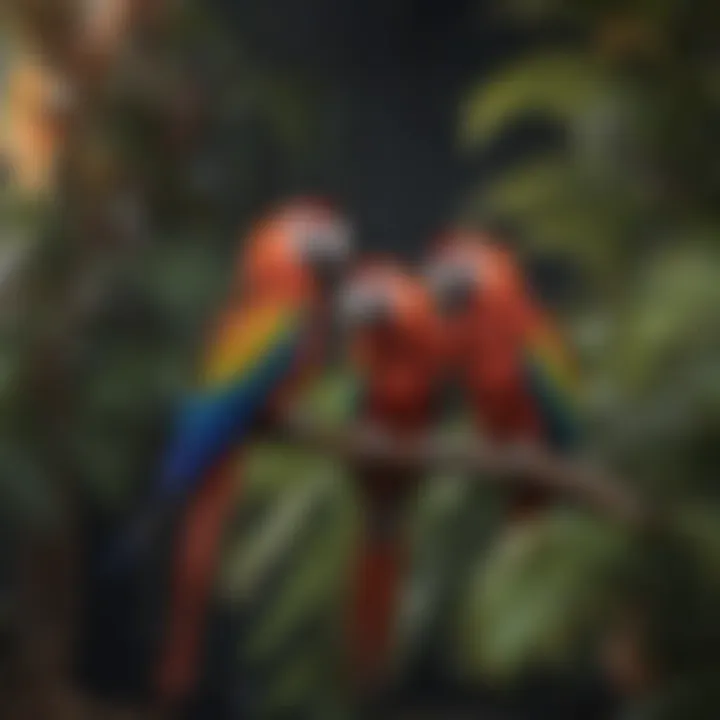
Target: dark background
389 77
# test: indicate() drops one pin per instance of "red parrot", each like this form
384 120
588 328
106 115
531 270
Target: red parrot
267 343
519 377
397 355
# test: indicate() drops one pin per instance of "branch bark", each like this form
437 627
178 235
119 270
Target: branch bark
510 466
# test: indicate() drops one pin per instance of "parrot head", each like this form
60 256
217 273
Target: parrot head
473 279
469 268
301 249
395 336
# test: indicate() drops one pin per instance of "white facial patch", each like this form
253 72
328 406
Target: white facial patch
449 273
363 301
321 237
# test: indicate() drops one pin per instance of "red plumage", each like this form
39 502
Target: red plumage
399 360
274 273
506 351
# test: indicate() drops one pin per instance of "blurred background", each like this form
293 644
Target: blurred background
139 139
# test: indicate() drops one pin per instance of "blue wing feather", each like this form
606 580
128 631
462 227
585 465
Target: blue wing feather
212 422
555 406
209 424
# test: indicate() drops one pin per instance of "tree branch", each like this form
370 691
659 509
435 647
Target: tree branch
512 466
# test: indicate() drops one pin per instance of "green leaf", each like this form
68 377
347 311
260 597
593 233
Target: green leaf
314 582
562 209
533 596
256 556
559 85
673 315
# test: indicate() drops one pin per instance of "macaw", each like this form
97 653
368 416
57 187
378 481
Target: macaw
396 349
266 346
508 355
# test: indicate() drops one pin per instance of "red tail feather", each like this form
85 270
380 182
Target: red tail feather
376 591
194 570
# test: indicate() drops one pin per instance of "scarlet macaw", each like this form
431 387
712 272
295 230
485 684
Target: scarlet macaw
266 346
518 375
397 354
